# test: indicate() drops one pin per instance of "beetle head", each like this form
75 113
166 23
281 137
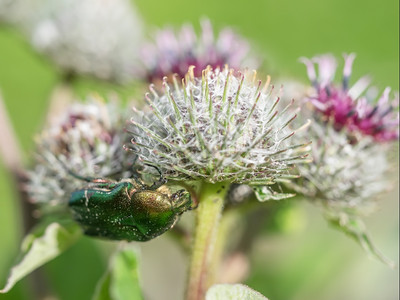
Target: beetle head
181 201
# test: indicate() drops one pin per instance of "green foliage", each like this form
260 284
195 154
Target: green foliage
264 193
233 292
355 228
40 246
121 281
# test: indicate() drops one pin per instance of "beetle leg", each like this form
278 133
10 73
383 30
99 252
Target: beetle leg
138 181
161 181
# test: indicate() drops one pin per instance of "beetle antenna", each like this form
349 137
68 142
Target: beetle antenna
87 179
70 172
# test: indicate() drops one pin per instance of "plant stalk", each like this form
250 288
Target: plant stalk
211 202
11 157
227 222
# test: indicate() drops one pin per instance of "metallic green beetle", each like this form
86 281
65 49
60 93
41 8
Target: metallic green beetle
127 210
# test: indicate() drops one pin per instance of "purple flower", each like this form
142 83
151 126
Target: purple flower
352 108
380 120
173 52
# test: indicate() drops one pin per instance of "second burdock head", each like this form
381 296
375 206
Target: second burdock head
349 159
173 51
87 139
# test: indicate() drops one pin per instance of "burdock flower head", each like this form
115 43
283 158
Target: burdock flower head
345 178
86 140
173 52
221 127
8 10
339 176
352 108
92 37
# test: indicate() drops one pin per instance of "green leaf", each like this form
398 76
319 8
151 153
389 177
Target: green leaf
233 292
40 246
103 288
121 281
265 193
355 228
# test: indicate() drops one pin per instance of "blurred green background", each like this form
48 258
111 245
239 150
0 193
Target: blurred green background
308 260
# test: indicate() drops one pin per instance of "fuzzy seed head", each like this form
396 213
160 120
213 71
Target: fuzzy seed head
224 126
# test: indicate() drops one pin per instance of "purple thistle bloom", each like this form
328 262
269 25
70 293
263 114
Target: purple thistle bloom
173 52
379 121
352 108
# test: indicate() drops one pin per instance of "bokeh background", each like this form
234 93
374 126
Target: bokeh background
307 259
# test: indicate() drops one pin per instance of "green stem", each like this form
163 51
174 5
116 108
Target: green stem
227 222
211 201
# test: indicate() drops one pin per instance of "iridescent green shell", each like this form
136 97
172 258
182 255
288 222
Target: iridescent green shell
126 211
